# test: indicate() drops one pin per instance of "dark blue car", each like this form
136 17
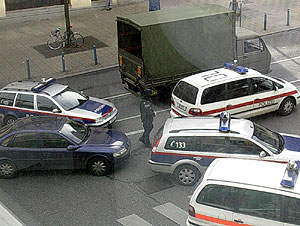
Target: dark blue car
38 143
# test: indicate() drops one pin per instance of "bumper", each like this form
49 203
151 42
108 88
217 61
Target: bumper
106 122
160 167
121 159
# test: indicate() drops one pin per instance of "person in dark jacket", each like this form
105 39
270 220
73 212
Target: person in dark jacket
147 115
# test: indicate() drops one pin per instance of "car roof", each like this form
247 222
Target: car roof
218 76
206 124
249 172
27 86
38 123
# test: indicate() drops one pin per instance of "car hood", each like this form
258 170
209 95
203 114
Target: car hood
92 108
107 137
292 143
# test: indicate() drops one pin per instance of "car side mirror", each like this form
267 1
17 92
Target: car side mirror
275 87
262 154
56 110
72 148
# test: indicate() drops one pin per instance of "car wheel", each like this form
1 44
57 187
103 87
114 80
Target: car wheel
187 175
8 169
9 119
286 107
98 167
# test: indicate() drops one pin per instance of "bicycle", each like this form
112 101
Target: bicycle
56 40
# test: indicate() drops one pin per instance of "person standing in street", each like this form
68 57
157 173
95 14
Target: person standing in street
147 115
107 5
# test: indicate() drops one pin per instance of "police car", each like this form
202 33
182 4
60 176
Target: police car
246 192
29 98
186 146
241 91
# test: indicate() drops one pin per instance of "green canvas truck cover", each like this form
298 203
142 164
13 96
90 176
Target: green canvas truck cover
183 40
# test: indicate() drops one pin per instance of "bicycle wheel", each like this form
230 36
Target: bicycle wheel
54 42
76 40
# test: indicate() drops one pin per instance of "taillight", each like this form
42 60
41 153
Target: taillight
172 101
195 111
191 211
139 71
155 146
120 61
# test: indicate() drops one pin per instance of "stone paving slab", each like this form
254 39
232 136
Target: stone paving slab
23 30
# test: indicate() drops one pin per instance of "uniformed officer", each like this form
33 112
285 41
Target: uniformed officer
147 115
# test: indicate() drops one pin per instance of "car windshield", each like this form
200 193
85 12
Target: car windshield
271 140
75 131
69 99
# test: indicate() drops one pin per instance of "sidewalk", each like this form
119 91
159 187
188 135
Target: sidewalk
22 31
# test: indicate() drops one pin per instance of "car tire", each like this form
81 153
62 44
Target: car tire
187 175
286 107
8 169
98 167
9 119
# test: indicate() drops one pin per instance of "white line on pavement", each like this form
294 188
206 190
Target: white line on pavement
134 132
281 61
116 96
133 220
7 218
295 81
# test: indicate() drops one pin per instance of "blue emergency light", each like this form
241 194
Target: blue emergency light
225 122
42 85
234 67
290 174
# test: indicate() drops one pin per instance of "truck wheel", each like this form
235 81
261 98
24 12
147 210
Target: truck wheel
286 107
187 175
9 119
8 169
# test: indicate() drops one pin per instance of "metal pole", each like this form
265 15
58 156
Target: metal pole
241 14
95 55
288 18
265 22
28 68
63 61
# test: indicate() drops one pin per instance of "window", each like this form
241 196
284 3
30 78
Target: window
253 45
293 210
236 89
219 196
211 144
213 94
186 92
24 101
7 99
75 131
26 140
45 104
260 85
7 141
243 146
53 140
180 143
260 204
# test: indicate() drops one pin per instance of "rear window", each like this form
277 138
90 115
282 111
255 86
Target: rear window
186 92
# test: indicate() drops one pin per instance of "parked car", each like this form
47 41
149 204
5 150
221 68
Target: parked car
186 146
47 143
30 98
247 192
241 91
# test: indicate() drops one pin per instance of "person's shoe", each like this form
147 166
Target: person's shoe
142 140
107 9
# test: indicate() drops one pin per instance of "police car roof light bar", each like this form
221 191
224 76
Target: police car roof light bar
234 67
290 174
42 85
225 118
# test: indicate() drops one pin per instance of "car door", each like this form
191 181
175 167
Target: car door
292 210
265 96
45 105
215 204
258 208
25 150
55 154
238 100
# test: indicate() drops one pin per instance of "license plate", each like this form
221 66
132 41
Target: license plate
181 107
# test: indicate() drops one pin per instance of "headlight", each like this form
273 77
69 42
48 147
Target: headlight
119 153
100 119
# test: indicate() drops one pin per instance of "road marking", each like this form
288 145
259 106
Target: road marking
116 96
281 61
134 132
133 220
137 116
295 81
7 218
173 212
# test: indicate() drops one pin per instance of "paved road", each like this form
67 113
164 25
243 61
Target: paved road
133 196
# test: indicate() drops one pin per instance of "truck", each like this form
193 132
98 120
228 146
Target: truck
156 49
